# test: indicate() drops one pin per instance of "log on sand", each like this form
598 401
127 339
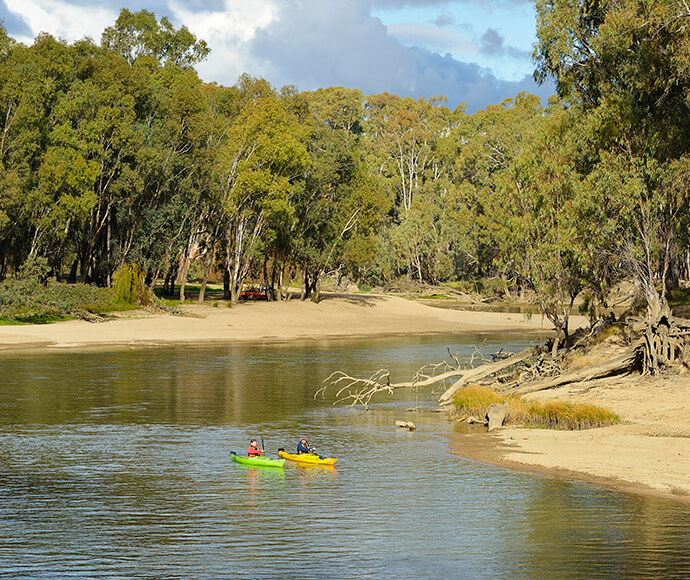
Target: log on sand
623 363
478 373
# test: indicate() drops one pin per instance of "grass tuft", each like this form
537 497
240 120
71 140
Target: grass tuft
474 400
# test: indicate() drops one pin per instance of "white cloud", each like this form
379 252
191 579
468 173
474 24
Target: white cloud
228 33
61 19
432 38
319 43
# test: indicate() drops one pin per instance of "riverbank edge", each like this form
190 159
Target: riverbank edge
492 448
52 346
335 318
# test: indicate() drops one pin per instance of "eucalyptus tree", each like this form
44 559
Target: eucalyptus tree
163 223
404 133
46 182
624 64
471 157
539 211
259 167
338 207
140 34
22 142
403 136
96 116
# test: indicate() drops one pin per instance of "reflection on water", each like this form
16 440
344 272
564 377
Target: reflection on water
116 464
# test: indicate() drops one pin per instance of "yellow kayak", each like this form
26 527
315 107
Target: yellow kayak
307 458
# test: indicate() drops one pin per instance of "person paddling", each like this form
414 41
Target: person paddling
303 447
254 450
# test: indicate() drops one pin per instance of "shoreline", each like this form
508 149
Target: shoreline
491 449
647 454
334 318
633 457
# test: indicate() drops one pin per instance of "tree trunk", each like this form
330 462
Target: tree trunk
207 273
482 371
226 284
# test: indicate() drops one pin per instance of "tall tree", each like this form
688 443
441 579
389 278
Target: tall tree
258 166
624 64
140 34
404 133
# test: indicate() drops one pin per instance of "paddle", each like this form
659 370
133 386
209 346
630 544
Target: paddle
312 450
263 447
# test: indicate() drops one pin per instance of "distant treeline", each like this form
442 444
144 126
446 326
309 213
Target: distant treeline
118 154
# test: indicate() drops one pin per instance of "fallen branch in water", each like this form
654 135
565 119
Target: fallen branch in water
356 390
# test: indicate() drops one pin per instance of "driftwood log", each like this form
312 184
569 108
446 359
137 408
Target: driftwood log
479 373
663 342
621 364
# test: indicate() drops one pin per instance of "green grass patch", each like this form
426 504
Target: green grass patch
474 400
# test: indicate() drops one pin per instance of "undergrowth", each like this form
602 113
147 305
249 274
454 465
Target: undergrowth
474 400
31 297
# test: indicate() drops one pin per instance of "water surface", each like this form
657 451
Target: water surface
115 464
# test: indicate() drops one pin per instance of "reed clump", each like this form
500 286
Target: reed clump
474 400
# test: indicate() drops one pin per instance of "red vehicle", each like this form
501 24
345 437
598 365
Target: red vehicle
259 292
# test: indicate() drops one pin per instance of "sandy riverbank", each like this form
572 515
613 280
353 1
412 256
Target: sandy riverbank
334 317
648 453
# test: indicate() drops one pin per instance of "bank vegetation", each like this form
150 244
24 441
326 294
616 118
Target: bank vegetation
116 157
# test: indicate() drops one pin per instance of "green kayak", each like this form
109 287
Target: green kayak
262 461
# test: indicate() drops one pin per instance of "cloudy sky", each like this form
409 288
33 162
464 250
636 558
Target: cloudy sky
472 51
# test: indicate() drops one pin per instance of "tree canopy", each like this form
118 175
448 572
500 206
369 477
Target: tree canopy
117 153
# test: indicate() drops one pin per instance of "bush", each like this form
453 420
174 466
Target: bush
474 400
129 286
31 297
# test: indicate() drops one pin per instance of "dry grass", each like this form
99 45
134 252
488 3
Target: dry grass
599 350
473 400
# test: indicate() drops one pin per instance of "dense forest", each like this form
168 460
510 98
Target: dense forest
118 154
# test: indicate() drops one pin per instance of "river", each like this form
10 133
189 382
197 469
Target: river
115 464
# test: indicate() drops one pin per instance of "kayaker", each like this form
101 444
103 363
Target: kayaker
303 447
254 450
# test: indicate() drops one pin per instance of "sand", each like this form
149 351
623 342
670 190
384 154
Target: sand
333 317
649 453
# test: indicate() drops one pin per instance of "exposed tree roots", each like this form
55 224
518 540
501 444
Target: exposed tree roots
662 342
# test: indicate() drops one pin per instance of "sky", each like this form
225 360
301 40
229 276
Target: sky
476 52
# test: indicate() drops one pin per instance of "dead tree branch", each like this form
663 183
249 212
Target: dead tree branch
357 390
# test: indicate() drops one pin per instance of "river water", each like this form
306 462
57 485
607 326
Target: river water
115 464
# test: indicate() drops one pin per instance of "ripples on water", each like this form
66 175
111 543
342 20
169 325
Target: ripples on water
118 466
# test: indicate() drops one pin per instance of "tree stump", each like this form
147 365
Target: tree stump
496 414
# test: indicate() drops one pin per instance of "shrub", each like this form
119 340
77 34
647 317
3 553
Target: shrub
29 298
129 286
474 400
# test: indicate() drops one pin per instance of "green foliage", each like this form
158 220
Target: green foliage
130 287
139 34
32 297
119 154
624 65
474 400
